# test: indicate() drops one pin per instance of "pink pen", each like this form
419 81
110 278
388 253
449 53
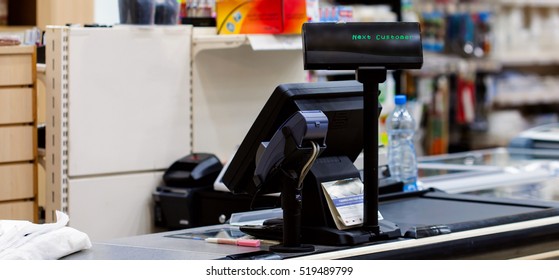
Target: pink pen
237 242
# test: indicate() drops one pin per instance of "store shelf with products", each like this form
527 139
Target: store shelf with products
519 89
467 109
536 89
498 61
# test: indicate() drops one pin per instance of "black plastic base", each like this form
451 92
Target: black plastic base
355 236
328 236
303 248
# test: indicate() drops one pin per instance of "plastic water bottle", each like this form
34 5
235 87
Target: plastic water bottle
402 160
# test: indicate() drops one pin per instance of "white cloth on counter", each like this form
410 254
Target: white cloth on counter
23 240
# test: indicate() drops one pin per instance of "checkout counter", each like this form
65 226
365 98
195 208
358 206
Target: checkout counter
488 204
449 219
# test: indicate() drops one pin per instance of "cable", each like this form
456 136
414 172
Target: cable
308 165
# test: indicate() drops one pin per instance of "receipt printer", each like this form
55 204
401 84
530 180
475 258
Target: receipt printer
188 199
176 201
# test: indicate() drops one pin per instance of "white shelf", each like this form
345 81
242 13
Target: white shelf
206 38
442 62
494 63
518 99
532 3
527 58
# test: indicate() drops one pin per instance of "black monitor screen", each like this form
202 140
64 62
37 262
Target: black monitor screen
340 101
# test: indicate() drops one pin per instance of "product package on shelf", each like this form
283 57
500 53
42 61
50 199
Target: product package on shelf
260 16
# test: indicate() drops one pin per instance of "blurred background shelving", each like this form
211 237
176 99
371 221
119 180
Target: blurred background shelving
491 71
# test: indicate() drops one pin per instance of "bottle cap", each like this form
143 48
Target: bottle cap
400 99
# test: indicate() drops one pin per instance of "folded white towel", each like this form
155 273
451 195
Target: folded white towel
26 240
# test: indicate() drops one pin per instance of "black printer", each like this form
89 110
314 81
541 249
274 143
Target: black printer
188 199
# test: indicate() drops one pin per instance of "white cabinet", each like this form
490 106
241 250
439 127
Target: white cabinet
118 107
106 207
128 97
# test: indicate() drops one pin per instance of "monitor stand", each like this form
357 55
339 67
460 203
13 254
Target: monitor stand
318 224
370 77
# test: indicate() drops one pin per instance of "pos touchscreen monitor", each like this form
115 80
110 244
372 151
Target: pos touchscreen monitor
340 101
